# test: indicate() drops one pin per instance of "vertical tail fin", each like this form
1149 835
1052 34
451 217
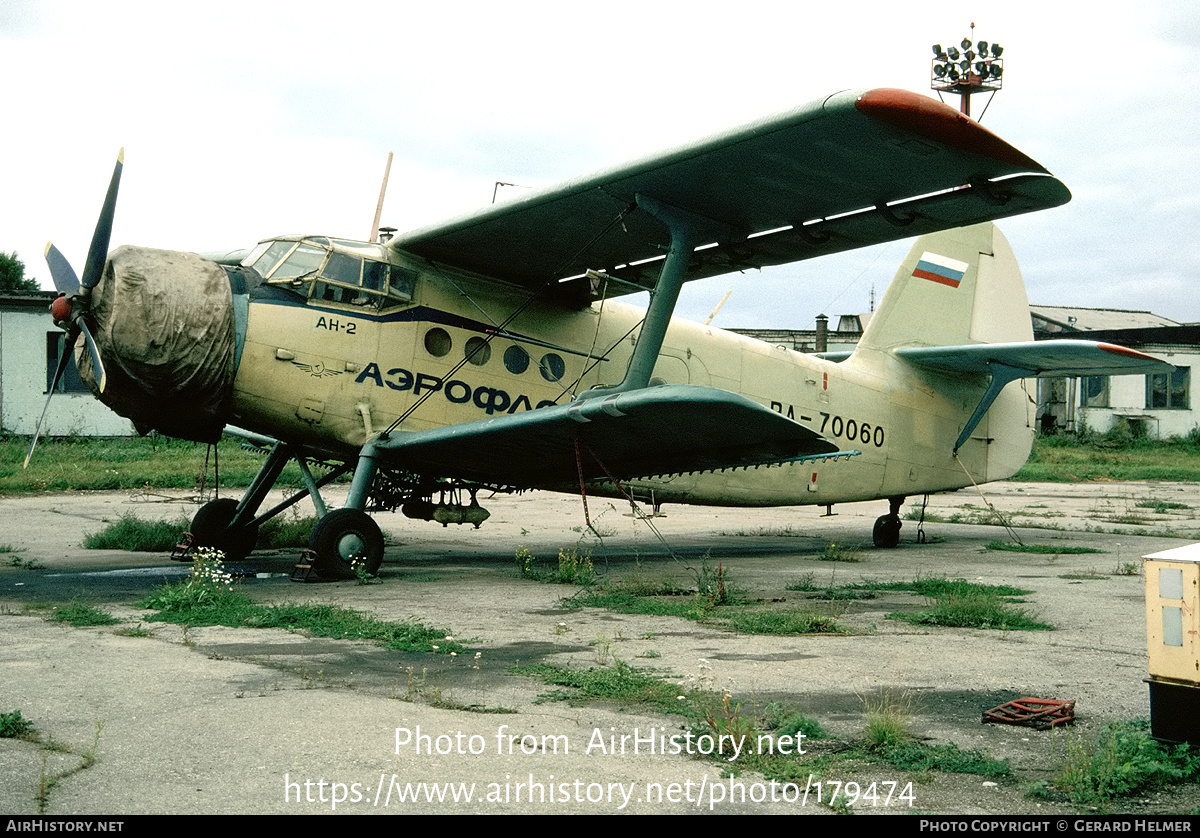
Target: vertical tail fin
954 287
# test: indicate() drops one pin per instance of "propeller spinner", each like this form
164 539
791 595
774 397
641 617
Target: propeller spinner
71 309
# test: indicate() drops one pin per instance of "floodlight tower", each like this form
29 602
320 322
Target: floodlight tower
977 68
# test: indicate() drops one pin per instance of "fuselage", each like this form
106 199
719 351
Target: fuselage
328 362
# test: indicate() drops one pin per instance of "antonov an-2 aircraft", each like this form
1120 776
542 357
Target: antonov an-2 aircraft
488 353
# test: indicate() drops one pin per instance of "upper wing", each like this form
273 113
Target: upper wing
648 432
849 170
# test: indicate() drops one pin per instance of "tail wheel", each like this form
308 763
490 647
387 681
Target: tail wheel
887 531
345 536
210 528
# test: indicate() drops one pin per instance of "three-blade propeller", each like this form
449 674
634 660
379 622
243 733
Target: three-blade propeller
71 309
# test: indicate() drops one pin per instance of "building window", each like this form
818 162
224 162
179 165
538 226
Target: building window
1168 390
70 381
1095 391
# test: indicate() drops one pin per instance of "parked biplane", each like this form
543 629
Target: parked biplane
488 352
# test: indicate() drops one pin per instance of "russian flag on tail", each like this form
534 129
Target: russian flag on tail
941 269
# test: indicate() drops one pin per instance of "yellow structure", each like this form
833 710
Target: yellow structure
1173 642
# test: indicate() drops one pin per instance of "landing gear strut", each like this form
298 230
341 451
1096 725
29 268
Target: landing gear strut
887 527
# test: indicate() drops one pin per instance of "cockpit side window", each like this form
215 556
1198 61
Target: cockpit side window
343 268
403 282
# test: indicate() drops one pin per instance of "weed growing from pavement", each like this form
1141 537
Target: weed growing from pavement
834 553
130 532
209 598
573 567
771 739
14 726
81 614
1121 762
1041 549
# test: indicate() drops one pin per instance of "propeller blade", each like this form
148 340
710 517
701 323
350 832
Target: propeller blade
97 365
63 357
98 252
61 271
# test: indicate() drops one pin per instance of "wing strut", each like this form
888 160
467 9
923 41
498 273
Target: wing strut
1002 376
687 232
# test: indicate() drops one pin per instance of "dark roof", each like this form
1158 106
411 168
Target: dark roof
27 299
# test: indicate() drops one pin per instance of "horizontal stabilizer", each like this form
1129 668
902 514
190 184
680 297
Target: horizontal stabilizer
648 432
1037 359
1009 362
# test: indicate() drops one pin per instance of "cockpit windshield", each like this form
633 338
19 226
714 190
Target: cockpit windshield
325 271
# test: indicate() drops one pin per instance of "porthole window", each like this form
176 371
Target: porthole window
553 367
516 359
437 342
478 351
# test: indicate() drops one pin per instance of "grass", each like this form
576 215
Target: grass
974 610
139 535
1113 456
1123 761
935 587
619 684
81 614
132 533
93 463
778 741
208 598
834 553
889 722
958 603
736 614
1040 549
572 568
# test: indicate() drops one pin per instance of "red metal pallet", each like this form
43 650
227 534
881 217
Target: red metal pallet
1040 713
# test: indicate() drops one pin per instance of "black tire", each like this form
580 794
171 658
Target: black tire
210 528
342 535
887 531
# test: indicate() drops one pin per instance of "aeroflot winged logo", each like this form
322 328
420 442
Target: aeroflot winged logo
941 269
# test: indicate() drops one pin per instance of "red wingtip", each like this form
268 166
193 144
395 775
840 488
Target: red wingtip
941 123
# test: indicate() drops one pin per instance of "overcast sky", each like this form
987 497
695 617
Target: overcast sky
249 119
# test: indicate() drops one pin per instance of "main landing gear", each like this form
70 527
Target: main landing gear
887 527
231 526
346 541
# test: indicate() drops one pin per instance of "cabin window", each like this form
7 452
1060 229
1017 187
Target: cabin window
438 342
553 366
516 359
1169 390
477 351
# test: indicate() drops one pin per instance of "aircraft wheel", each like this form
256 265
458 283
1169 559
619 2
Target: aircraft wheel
210 528
344 535
887 531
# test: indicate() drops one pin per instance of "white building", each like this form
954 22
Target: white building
29 346
1159 405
